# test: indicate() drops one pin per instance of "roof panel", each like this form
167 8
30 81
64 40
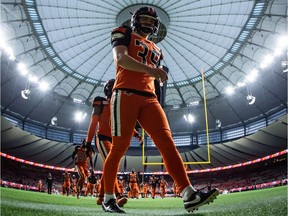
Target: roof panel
199 35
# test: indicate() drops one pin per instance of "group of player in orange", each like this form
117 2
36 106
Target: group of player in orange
133 188
134 99
70 185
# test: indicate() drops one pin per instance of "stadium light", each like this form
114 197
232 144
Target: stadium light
25 93
229 90
189 118
54 121
252 76
79 116
22 69
250 99
218 123
43 86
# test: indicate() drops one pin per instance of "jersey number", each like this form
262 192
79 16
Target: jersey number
154 57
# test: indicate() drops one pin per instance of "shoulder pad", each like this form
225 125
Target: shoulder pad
121 35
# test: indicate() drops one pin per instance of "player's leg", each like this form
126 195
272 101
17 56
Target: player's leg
124 112
154 122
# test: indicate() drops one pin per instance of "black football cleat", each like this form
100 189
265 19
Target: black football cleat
198 199
112 207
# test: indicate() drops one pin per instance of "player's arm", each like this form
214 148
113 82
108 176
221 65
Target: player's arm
120 40
92 128
97 104
121 56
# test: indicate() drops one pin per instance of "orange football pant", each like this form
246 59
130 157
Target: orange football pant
104 147
126 109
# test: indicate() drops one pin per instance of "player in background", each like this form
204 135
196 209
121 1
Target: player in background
144 188
98 186
91 183
40 185
66 178
121 184
137 61
153 181
175 190
100 125
162 186
74 181
82 157
133 184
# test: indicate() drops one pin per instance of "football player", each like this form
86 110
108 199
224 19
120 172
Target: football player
133 184
82 157
162 186
66 183
100 125
137 61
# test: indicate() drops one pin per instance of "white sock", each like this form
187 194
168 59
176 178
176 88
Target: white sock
187 192
108 197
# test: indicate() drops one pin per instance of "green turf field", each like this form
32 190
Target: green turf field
272 202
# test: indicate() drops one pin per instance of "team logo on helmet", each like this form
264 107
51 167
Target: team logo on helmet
145 11
108 88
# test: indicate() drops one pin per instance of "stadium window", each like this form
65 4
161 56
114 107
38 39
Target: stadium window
77 138
255 126
134 142
277 115
215 137
182 140
232 133
35 130
62 136
13 120
178 140
202 139
150 143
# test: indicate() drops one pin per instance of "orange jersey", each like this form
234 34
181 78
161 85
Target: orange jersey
66 177
142 50
145 187
82 157
132 177
163 183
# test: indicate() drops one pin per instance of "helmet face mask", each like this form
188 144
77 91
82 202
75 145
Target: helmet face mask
148 12
108 88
